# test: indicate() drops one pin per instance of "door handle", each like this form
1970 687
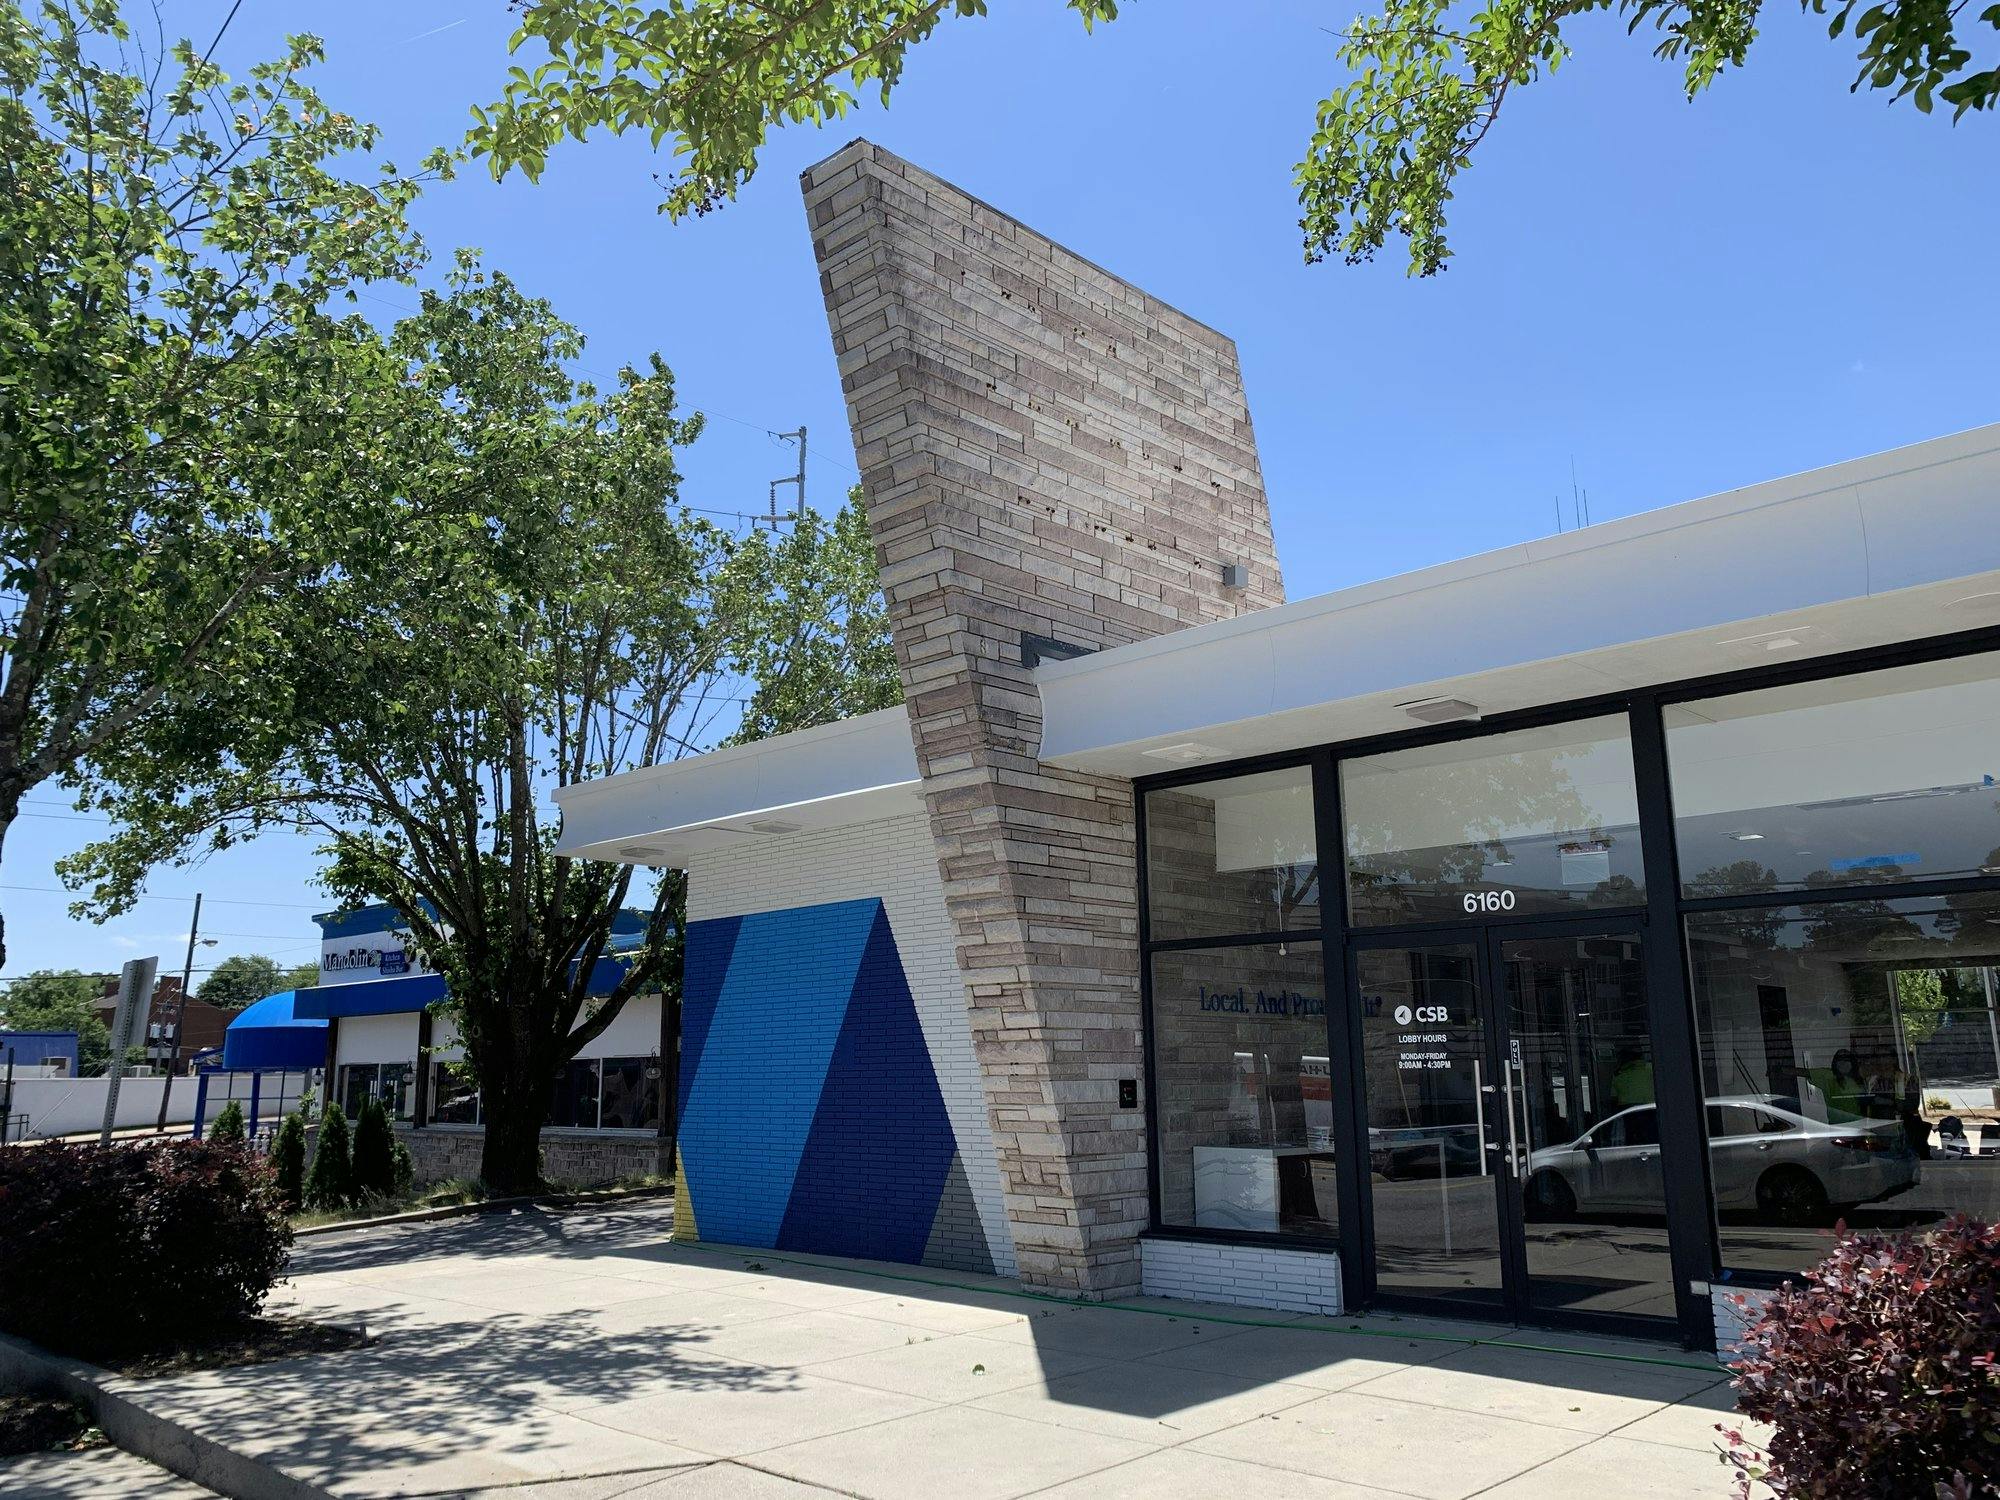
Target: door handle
1517 1158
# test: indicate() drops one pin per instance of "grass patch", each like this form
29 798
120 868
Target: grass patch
446 1194
31 1422
454 1191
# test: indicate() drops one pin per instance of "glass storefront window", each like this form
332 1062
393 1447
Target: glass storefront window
454 1096
1850 1053
1235 855
1870 778
574 1105
631 1093
1534 820
1243 1091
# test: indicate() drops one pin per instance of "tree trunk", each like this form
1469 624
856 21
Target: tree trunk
510 1159
10 803
516 1087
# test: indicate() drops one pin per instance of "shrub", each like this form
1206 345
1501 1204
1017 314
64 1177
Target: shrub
406 1170
374 1154
228 1127
331 1183
135 1246
288 1161
1876 1371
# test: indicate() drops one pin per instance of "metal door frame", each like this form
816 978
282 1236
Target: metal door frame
1487 940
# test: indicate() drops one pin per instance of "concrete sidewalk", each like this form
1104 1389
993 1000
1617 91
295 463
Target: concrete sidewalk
93 1474
581 1354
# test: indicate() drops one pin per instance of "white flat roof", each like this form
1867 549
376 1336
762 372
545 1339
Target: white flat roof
853 771
1894 547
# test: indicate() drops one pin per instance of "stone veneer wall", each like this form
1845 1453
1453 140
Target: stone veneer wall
573 1160
1045 449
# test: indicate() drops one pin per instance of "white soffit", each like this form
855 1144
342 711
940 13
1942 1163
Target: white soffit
1895 547
853 771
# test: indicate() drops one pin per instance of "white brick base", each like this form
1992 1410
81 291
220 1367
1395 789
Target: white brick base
1306 1281
1731 1320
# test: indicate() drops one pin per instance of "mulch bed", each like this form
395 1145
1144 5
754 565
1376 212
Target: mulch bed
34 1423
249 1341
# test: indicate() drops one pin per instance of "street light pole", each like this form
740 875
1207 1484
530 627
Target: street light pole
172 1038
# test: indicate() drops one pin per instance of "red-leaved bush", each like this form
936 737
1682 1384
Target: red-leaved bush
108 1250
1876 1370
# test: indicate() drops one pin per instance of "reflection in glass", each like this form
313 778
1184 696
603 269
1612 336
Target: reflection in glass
1850 1052
1593 1192
1243 1099
631 1093
1874 777
454 1096
1431 1122
1535 820
1235 855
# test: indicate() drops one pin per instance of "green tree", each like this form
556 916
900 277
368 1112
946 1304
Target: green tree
330 1184
1427 80
229 1126
374 1153
188 436
241 980
557 620
60 1000
301 976
288 1159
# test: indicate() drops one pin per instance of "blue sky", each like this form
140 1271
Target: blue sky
1676 299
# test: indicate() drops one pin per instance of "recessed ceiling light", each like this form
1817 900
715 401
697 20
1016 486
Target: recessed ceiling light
774 825
1746 837
1186 750
1773 640
1439 710
641 851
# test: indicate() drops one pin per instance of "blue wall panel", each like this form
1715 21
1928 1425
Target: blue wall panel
810 1113
874 1165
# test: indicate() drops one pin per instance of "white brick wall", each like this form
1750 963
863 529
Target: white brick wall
1306 1281
894 859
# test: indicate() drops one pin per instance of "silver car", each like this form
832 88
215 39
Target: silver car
1764 1158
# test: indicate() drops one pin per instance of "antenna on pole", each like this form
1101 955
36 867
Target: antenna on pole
798 479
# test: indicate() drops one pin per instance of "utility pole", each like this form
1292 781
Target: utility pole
170 1030
798 479
135 1000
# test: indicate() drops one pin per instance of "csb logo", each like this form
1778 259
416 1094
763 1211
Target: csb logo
1402 1015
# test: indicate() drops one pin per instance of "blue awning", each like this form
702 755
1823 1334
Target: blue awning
413 992
372 997
274 1033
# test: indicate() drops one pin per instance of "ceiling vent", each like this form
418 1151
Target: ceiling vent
1440 710
1181 754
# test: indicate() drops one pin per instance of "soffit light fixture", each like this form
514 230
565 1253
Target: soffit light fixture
641 851
1185 751
774 825
1439 710
1746 837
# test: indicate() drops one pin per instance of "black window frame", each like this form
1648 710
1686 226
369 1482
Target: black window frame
1661 917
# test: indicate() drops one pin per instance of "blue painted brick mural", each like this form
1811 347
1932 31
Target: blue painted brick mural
810 1114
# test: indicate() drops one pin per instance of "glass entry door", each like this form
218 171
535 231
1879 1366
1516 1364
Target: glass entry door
1514 1161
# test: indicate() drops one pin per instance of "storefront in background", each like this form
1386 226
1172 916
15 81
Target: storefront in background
1569 933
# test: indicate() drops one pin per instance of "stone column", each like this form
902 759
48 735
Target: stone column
1045 451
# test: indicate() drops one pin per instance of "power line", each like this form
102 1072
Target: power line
149 896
